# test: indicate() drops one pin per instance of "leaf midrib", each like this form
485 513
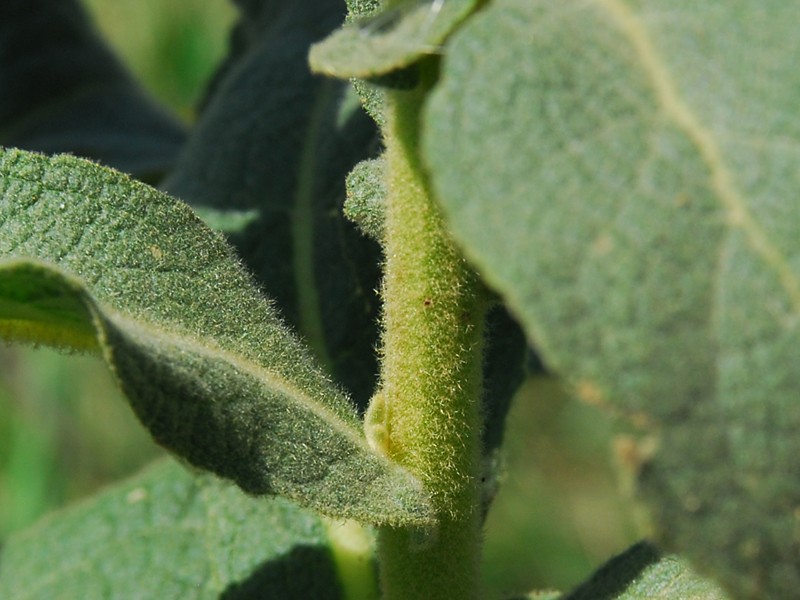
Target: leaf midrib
209 349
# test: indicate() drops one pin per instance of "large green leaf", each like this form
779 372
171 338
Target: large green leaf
204 360
64 91
168 534
626 176
277 141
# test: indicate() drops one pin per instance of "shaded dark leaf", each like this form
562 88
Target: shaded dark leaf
278 140
64 91
503 372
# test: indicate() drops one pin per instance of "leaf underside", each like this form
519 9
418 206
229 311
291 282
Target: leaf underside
169 534
203 359
626 177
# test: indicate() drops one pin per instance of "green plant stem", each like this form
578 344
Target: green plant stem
431 378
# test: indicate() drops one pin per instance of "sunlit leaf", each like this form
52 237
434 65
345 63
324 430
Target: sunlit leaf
203 358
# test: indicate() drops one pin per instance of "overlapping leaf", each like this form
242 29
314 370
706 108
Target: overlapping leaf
169 534
277 141
626 176
203 358
63 91
390 39
381 43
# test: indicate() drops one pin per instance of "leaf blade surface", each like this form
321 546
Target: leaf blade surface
167 533
622 181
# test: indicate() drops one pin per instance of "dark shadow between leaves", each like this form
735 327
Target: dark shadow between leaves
406 78
305 572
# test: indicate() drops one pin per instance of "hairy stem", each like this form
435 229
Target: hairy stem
431 378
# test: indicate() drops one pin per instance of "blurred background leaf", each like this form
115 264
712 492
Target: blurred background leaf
64 90
559 513
65 430
172 46
643 572
276 140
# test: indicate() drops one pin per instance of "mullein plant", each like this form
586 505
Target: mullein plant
325 307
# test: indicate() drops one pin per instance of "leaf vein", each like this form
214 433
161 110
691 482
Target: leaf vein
722 181
261 373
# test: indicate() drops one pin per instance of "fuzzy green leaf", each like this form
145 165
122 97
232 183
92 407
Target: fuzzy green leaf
277 142
389 40
366 195
382 46
168 534
64 91
641 573
203 359
626 177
